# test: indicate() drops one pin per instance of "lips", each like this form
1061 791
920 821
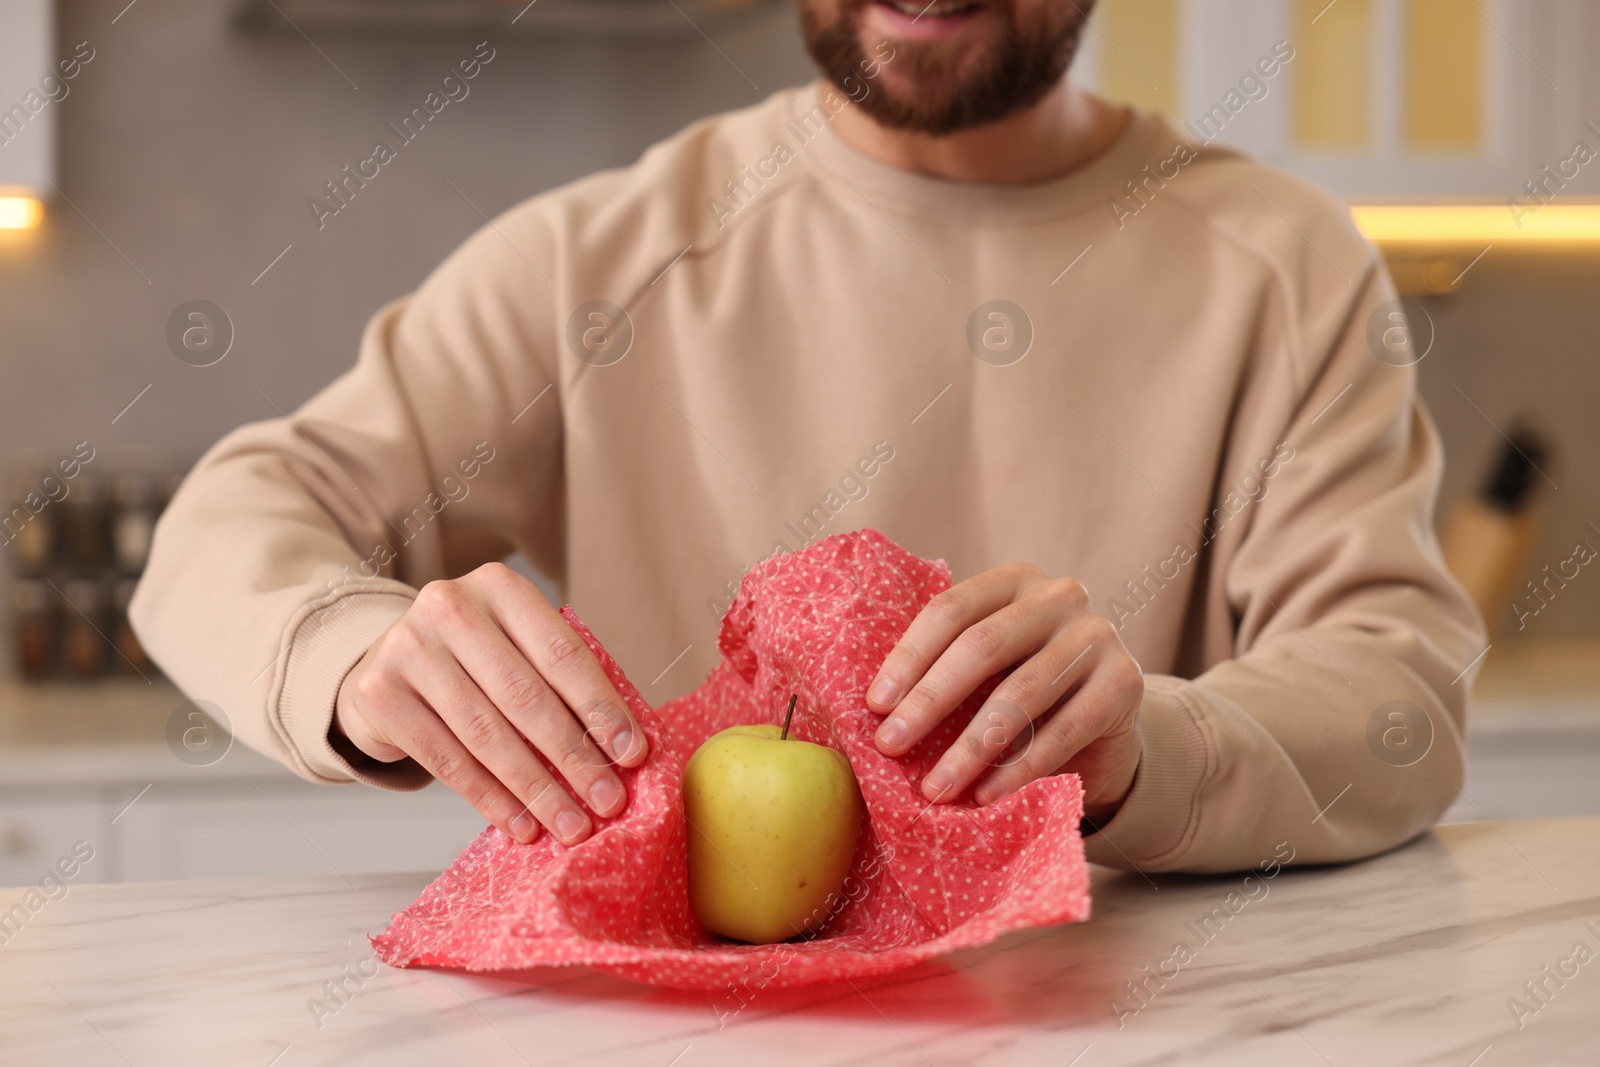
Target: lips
915 20
937 10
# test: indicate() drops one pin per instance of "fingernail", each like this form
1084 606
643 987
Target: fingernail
938 783
622 743
604 796
893 733
522 826
569 824
884 692
986 793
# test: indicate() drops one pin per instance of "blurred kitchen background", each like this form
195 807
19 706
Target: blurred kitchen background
162 152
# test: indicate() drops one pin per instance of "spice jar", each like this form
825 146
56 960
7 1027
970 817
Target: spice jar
29 526
83 524
133 520
33 622
132 656
83 642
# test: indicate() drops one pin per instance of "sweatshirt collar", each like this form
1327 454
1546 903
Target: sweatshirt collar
1090 185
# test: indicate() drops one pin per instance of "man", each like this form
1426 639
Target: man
1188 510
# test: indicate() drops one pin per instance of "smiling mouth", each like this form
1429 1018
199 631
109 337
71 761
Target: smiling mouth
921 10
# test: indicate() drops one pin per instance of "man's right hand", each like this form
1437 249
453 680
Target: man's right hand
478 669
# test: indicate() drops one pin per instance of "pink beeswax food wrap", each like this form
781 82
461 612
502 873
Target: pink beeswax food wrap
927 879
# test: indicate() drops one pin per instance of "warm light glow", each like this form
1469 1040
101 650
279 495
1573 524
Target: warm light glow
1478 224
20 212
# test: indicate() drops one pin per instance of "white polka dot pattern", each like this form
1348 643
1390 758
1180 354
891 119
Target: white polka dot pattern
926 880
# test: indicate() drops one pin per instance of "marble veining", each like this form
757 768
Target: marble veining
1419 956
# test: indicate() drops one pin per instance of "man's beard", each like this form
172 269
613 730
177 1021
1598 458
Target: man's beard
1017 71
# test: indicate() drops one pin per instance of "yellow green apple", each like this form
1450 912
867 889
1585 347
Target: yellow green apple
773 826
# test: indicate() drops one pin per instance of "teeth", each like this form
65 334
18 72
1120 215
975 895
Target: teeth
939 9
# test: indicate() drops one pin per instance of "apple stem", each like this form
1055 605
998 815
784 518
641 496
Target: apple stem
789 715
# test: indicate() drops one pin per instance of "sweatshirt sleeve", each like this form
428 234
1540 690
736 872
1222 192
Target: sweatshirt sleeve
296 542
1337 725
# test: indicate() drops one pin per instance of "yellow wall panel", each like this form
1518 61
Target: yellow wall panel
1139 56
1333 73
1444 74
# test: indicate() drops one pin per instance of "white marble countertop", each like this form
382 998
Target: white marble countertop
1413 957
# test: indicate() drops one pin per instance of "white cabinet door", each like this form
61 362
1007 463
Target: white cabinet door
1372 98
287 828
27 60
38 832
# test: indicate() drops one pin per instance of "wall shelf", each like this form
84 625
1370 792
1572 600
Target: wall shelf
606 19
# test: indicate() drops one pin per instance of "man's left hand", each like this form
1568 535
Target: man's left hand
1070 704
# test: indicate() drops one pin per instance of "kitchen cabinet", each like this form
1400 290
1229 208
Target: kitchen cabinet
37 831
1375 99
278 827
91 763
271 824
30 93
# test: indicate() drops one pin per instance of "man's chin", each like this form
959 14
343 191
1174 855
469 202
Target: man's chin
941 67
911 99
929 71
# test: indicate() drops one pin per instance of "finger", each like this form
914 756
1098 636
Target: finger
561 658
989 646
1004 729
528 704
939 622
496 744
1083 718
431 743
350 720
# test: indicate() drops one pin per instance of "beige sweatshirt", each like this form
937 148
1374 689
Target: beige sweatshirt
1178 404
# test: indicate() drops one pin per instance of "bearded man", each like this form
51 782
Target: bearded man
1188 508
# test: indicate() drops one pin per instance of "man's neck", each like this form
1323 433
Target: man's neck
1059 134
